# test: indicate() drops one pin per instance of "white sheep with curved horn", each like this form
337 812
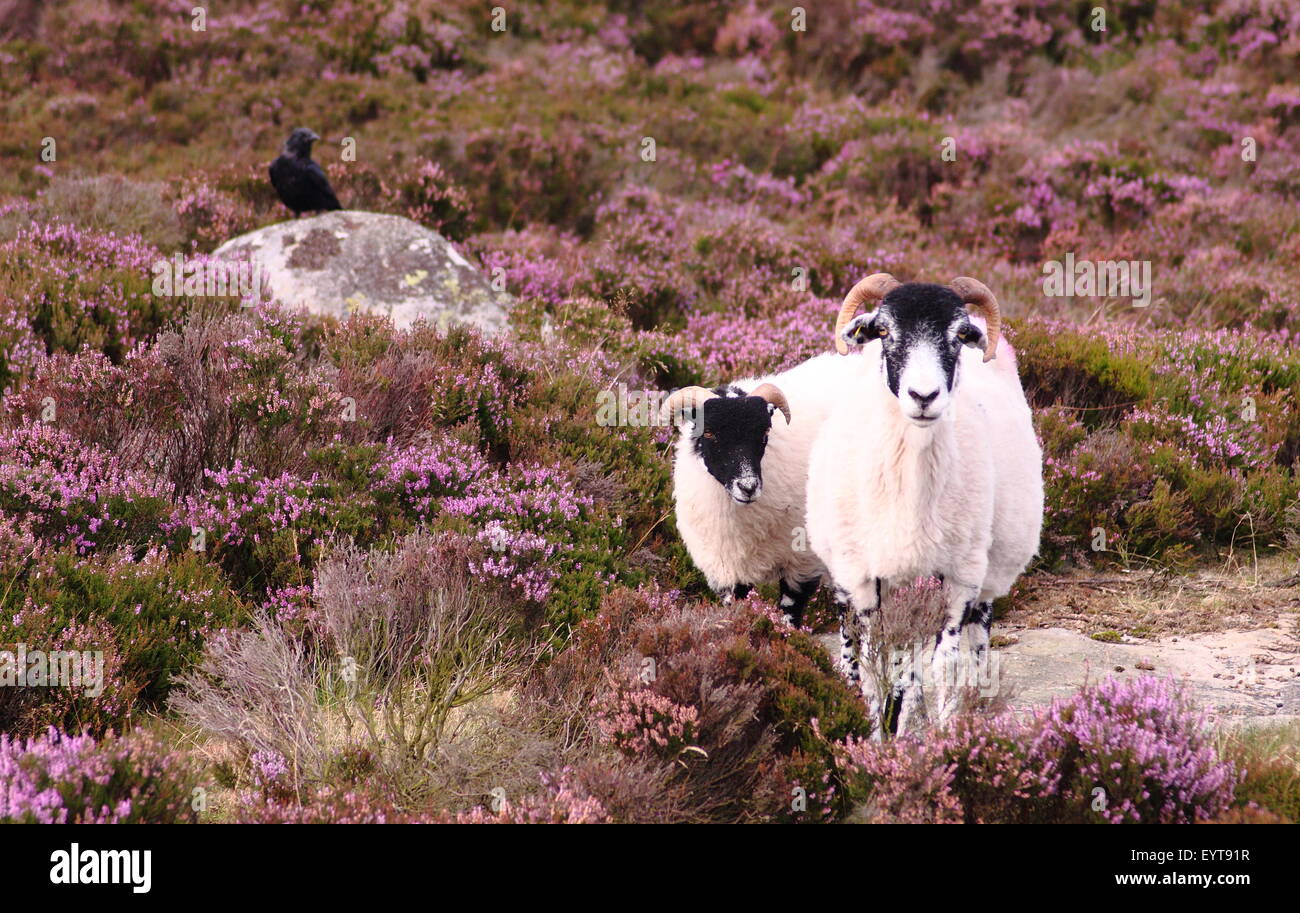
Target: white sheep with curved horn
740 477
928 466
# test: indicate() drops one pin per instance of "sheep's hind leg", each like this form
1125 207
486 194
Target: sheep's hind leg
947 650
794 598
729 594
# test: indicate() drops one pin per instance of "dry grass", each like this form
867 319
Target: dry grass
1153 603
1269 756
409 655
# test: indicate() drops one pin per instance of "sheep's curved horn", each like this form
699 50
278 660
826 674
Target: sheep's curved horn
686 397
981 301
772 393
872 288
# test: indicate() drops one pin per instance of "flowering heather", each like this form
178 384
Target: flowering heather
1139 742
62 779
422 475
77 286
171 467
65 493
561 801
642 721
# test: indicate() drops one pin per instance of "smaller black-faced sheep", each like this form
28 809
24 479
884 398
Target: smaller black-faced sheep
740 476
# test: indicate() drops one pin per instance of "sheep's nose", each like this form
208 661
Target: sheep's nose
923 399
747 488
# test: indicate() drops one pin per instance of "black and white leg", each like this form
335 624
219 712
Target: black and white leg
978 623
947 649
858 610
794 598
850 639
865 603
907 700
728 594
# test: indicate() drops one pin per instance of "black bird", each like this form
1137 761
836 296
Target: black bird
298 180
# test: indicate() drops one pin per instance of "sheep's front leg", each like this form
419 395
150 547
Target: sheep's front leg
858 610
979 621
850 638
947 649
908 699
794 598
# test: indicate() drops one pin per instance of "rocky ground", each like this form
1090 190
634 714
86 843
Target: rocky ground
1231 635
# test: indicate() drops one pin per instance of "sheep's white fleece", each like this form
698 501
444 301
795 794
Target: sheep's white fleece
887 499
755 543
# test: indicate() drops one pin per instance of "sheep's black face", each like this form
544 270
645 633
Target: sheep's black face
733 441
921 328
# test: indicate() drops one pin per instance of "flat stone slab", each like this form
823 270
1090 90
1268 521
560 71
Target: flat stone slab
1237 675
338 263
1241 678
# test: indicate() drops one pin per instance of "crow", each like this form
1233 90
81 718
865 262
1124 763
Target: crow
298 180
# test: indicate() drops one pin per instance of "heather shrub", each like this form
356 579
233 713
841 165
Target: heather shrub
263 530
417 609
393 645
220 388
256 688
70 287
72 495
151 615
402 382
1249 814
113 204
212 210
420 190
1120 751
1064 367
560 800
56 778
249 387
93 405
95 700
546 538
731 712
895 638
521 173
557 799
537 265
324 805
1269 761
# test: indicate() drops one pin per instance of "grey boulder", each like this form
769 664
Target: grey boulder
338 263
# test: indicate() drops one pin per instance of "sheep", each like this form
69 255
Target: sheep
739 479
928 466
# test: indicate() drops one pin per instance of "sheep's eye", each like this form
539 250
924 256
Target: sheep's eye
963 335
709 435
882 332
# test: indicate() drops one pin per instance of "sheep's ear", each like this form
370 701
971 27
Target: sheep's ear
862 329
973 336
